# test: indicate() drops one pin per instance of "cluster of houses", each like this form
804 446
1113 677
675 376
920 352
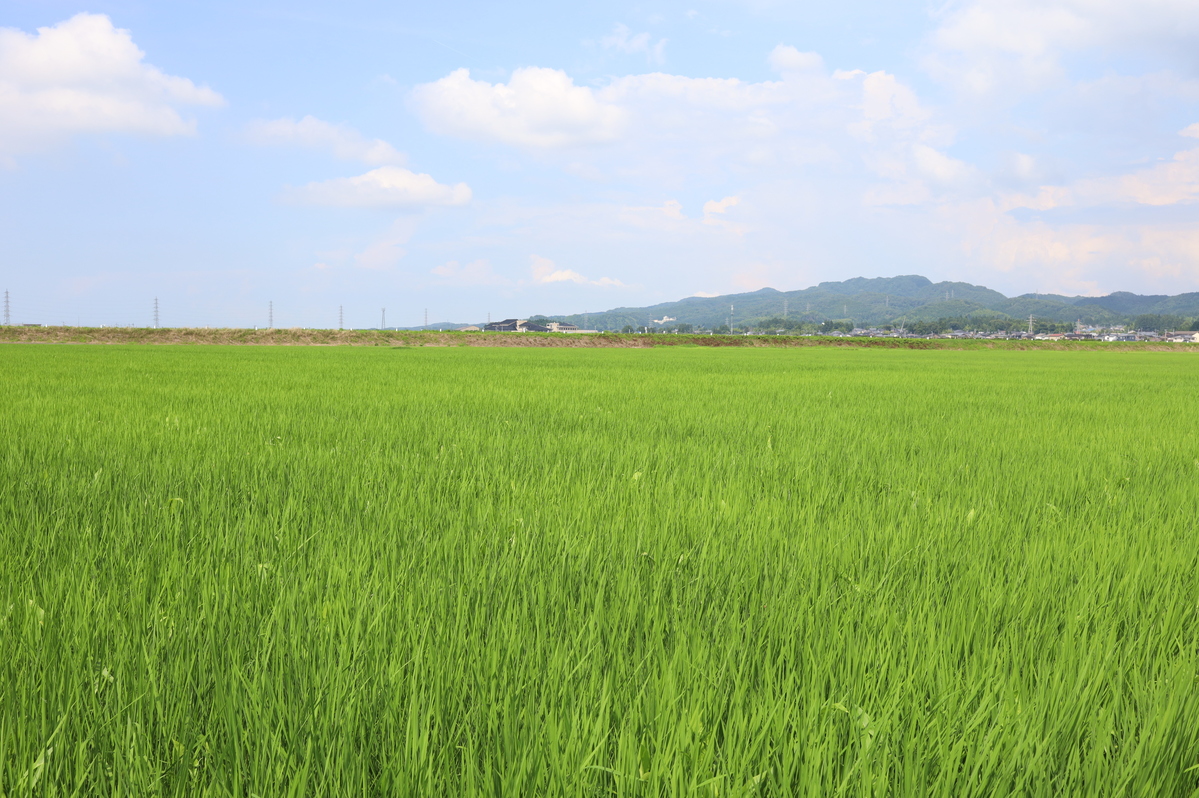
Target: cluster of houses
1092 334
1178 337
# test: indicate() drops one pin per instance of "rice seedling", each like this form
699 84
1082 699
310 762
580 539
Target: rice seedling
677 571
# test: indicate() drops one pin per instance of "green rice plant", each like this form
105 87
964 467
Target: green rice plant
288 571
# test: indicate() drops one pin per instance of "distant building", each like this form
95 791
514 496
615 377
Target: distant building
524 325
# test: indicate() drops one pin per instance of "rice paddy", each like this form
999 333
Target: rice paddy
247 571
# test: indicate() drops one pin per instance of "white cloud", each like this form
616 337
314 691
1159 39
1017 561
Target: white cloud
712 206
344 142
980 45
1169 182
85 76
477 272
387 186
622 40
784 58
536 108
545 272
807 160
713 210
666 129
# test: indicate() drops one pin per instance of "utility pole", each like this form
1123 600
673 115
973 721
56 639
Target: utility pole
340 317
7 315
426 318
270 315
156 313
383 323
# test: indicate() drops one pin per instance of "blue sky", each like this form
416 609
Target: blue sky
502 159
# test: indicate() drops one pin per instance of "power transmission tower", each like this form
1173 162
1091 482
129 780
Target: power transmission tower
340 317
7 315
156 313
1030 324
270 315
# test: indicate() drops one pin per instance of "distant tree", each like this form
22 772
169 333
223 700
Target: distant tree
721 329
684 328
628 328
1158 322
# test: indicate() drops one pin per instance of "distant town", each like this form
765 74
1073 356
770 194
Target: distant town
1081 332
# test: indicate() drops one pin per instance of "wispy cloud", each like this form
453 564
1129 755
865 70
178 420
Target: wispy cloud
625 41
342 141
387 186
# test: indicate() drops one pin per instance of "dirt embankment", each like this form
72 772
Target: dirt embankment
307 337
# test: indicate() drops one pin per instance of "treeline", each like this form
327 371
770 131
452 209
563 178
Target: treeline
809 326
1161 322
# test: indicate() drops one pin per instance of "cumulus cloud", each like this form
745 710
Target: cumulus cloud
344 142
545 272
387 186
663 127
537 107
84 75
803 158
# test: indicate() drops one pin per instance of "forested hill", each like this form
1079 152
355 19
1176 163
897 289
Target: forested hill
895 300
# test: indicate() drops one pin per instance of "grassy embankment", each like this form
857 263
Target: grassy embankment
289 571
312 337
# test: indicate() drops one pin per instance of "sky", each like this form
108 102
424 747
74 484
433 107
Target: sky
310 164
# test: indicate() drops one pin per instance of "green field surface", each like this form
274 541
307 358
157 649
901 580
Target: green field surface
289 571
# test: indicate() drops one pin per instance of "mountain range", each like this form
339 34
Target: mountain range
892 300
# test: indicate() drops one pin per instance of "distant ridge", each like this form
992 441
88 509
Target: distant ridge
870 301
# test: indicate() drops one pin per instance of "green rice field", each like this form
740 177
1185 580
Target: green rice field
457 571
